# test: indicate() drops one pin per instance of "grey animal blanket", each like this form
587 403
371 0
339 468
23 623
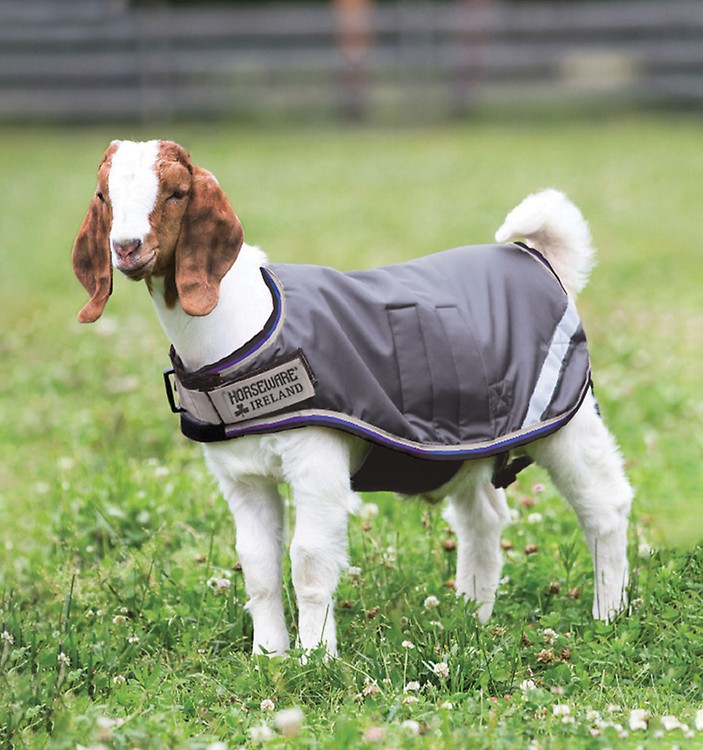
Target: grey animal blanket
464 354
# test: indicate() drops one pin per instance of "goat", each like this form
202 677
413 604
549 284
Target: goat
157 217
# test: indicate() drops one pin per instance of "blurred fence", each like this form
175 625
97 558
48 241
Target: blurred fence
90 59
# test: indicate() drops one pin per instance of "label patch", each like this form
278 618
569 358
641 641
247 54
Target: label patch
264 392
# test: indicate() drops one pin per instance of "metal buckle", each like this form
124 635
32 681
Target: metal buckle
171 392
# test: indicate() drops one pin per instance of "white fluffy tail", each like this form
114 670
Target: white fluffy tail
553 225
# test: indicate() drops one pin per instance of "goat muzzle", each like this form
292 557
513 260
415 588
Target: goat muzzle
132 258
123 250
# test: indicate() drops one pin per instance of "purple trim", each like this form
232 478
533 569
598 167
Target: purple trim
438 452
268 331
538 256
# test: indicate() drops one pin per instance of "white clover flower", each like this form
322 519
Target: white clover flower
120 620
437 624
289 721
447 706
267 705
133 639
219 585
6 637
561 709
408 644
670 723
105 722
431 602
374 734
353 571
644 548
390 554
64 659
411 726
526 685
408 699
549 636
638 719
105 726
534 518
698 721
370 689
412 686
441 669
260 733
119 679
368 511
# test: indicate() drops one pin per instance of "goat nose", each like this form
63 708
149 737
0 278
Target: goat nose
127 248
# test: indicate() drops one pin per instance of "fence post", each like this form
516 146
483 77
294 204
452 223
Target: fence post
473 36
354 39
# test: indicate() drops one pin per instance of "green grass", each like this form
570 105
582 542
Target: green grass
111 527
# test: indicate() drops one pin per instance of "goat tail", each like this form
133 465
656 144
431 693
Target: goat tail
553 225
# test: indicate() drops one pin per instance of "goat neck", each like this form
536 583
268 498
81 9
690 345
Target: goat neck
243 308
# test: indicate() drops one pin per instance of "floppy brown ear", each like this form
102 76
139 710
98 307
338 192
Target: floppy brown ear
210 239
91 260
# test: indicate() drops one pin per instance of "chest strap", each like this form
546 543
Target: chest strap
231 400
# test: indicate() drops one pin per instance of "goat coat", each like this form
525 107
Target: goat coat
464 354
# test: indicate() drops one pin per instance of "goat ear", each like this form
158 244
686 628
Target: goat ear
210 240
91 260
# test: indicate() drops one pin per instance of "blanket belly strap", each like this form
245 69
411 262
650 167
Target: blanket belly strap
392 471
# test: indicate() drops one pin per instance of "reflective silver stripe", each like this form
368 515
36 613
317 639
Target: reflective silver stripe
197 403
552 366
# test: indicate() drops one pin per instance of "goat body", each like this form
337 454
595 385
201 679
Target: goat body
157 217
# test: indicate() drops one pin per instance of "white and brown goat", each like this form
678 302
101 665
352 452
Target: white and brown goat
157 217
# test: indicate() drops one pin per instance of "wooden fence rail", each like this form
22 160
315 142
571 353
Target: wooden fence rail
91 59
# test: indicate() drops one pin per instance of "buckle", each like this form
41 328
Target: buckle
171 391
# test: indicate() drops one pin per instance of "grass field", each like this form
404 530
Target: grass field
113 633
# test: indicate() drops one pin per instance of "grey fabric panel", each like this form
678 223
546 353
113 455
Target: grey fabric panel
412 364
466 358
374 365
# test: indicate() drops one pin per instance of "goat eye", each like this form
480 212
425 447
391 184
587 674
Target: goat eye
177 195
100 197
